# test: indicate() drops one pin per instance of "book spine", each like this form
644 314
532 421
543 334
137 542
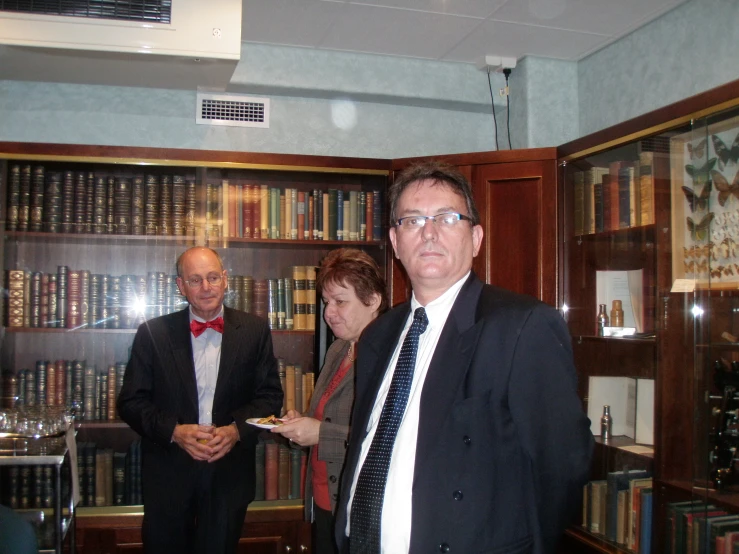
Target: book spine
295 222
289 387
283 468
310 297
14 194
246 211
376 215
646 185
284 218
259 470
299 407
345 207
24 199
353 215
36 208
300 216
119 478
339 207
295 473
362 212
299 298
325 223
271 471
274 213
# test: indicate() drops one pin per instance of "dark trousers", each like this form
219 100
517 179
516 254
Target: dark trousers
324 532
193 519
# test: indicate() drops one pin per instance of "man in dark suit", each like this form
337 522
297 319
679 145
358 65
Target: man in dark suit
470 437
193 379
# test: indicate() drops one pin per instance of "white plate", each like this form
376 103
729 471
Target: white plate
253 421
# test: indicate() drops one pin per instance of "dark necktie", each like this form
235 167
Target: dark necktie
369 494
199 327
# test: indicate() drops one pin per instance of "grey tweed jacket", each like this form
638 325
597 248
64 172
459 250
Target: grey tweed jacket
334 433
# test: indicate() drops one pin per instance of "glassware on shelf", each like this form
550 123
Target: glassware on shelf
601 321
617 314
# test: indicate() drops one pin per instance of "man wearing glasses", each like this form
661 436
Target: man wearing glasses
467 432
193 379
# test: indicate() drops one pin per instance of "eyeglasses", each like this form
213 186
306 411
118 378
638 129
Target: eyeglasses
442 221
197 282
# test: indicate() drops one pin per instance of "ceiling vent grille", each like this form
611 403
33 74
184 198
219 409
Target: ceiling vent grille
148 11
232 110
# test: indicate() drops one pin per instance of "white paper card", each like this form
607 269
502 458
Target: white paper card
620 394
683 285
645 411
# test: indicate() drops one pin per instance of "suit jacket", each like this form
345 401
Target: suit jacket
334 434
504 447
160 390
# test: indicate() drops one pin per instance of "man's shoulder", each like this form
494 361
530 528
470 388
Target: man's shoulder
493 299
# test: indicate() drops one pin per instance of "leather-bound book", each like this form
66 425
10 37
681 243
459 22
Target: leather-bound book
271 471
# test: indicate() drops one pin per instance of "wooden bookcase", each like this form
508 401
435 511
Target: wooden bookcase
270 526
686 239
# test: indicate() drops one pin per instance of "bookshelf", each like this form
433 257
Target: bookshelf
654 195
112 236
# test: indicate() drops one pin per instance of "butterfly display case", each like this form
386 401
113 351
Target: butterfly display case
650 241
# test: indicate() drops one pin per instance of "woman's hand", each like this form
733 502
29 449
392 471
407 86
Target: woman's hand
303 431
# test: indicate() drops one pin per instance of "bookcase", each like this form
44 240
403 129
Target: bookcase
649 219
90 239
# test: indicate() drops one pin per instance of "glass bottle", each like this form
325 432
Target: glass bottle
602 320
606 423
617 314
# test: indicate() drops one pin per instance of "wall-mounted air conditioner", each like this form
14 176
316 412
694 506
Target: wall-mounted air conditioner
180 44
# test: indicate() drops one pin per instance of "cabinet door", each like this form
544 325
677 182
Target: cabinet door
518 210
516 195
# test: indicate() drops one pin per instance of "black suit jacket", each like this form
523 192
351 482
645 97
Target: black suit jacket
504 446
160 390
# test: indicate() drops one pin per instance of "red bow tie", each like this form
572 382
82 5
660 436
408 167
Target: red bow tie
199 327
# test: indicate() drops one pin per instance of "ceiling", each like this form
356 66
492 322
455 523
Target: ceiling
449 30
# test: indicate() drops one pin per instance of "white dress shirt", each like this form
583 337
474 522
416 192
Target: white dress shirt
395 534
206 353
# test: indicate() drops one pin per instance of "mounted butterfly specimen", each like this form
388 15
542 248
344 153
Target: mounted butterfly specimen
724 153
697 150
698 202
699 231
725 190
701 175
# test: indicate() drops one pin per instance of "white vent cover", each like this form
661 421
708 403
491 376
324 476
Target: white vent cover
234 110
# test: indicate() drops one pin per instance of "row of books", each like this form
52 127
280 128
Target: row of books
91 395
620 508
109 478
75 299
70 201
260 211
619 196
78 386
296 385
280 470
86 202
30 486
287 303
694 527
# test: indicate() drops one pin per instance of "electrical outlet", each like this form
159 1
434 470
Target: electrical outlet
504 92
495 63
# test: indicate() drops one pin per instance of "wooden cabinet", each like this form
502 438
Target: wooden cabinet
648 217
270 528
516 195
105 225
